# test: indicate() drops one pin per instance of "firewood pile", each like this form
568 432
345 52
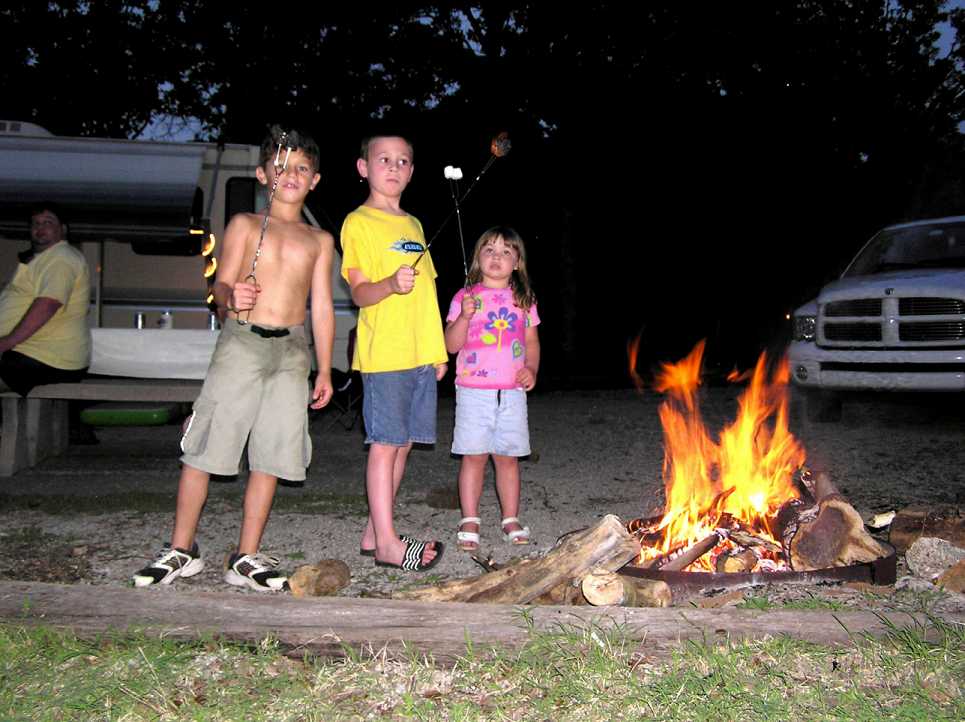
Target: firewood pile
817 530
580 568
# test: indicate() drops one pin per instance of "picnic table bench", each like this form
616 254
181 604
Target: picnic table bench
35 427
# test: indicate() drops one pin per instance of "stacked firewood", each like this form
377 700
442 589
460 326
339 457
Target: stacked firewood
580 568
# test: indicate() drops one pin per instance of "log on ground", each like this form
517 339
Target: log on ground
942 521
335 626
607 544
604 588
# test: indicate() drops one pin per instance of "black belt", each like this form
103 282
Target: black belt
269 332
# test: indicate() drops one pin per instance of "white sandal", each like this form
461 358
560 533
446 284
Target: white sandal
519 536
468 541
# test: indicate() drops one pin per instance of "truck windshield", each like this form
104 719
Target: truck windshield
933 245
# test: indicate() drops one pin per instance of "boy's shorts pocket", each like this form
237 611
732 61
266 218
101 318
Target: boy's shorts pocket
194 440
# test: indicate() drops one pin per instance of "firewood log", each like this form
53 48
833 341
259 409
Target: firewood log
736 562
606 544
829 533
604 588
942 521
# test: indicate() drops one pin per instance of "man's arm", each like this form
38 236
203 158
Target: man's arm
40 312
323 320
228 293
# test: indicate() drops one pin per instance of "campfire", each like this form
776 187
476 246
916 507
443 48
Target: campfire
745 501
741 508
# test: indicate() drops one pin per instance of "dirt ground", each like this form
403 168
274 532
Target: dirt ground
97 513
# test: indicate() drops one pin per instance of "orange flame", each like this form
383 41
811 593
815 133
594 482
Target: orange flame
633 352
746 473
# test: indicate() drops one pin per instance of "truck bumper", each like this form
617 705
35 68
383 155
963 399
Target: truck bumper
905 370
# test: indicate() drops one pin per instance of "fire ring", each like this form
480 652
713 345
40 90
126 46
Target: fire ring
880 572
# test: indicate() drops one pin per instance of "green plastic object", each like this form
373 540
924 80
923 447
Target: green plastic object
133 413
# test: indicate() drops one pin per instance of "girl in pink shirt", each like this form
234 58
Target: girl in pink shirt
492 325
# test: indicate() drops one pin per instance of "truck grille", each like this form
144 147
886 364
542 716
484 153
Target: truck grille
930 307
915 322
932 331
855 307
852 331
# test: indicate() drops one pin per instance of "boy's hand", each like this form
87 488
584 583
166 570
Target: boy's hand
322 393
441 371
243 296
526 378
468 307
403 280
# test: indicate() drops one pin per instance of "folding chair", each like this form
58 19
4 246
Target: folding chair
346 404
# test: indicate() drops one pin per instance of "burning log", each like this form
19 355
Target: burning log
606 544
746 539
605 588
683 558
827 533
737 561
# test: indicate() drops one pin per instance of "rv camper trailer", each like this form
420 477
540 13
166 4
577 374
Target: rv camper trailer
148 215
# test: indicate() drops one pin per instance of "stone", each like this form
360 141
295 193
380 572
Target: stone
953 579
929 557
320 580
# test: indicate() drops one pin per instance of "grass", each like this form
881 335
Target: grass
764 603
574 674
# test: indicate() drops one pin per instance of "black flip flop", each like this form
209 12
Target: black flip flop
371 552
412 557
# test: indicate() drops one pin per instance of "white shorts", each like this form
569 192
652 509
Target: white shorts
491 421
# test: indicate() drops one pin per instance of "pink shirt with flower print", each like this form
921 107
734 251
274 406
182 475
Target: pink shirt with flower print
496 341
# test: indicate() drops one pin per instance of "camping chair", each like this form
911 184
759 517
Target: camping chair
346 404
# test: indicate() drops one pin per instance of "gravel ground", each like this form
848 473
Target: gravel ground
595 453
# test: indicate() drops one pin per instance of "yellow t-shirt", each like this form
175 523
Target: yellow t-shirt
60 273
402 331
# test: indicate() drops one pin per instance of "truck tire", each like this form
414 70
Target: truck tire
822 406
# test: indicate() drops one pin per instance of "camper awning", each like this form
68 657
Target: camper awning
107 187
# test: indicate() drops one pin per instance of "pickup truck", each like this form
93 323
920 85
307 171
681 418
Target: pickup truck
894 321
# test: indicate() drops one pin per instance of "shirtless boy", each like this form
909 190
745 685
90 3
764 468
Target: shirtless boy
256 389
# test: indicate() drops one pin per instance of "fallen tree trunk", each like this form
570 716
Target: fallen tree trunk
605 588
606 544
827 533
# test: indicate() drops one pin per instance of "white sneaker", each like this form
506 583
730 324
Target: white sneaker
256 571
168 565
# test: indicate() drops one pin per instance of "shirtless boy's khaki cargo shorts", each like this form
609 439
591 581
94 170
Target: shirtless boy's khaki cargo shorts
256 391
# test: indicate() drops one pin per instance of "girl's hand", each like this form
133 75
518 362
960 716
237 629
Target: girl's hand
468 307
526 378
441 371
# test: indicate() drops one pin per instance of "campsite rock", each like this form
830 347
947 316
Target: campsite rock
320 580
928 557
953 580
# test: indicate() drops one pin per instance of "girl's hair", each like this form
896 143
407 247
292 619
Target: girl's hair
523 294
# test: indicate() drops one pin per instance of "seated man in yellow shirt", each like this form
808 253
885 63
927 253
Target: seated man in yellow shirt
44 335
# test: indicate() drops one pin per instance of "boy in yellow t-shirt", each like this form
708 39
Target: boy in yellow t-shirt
399 347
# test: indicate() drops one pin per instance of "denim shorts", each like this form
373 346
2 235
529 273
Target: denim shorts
400 406
491 421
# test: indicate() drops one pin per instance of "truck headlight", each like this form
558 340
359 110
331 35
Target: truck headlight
805 328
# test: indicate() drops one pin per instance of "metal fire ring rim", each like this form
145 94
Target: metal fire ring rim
881 572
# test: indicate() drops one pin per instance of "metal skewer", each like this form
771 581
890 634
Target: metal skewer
280 168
